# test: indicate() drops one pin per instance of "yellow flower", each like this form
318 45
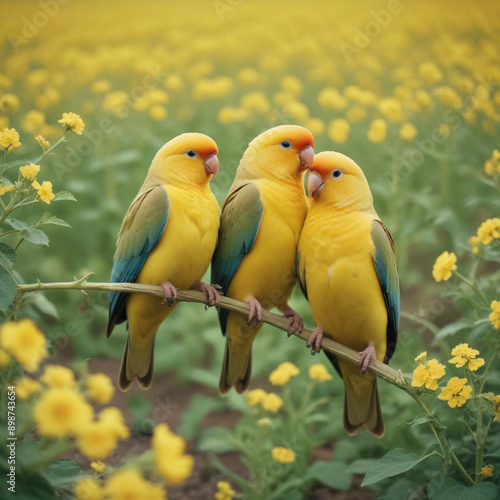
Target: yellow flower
228 114
87 488
158 112
338 130
487 471
59 412
264 423
429 72
29 171
255 396
391 109
377 131
58 376
27 387
255 101
495 314
465 355
297 110
248 76
448 96
224 491
95 440
421 356
332 99
283 455
9 139
100 388
319 373
129 484
101 86
117 102
44 191
283 373
98 466
474 243
72 123
9 103
444 265
292 85
315 125
170 460
42 141
456 392
5 359
174 83
445 130
493 164
408 132
428 374
6 189
112 417
33 121
496 408
489 230
24 342
272 403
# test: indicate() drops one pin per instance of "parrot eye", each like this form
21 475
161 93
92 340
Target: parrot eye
286 145
191 153
336 173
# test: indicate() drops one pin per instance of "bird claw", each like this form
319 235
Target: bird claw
366 356
212 293
170 293
256 315
296 322
315 339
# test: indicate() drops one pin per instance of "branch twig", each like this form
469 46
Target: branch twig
376 367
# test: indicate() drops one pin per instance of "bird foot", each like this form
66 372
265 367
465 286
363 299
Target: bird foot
315 339
170 293
296 321
256 314
366 356
212 292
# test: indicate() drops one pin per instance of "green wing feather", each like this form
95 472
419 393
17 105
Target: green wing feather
141 230
240 222
387 272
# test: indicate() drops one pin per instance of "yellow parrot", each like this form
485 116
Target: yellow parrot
255 258
167 238
347 270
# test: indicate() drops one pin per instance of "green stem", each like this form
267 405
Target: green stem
474 286
448 452
48 151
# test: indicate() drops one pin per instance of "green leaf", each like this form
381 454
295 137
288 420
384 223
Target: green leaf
199 406
44 305
63 470
362 465
216 440
8 289
333 474
7 255
48 218
64 196
395 462
34 236
33 487
420 419
453 328
446 488
19 225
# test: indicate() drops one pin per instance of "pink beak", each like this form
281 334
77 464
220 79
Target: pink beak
314 184
306 157
212 166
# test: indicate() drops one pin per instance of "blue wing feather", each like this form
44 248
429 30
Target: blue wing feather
141 231
240 222
387 272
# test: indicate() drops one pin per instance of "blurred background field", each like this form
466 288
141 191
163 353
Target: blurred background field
410 90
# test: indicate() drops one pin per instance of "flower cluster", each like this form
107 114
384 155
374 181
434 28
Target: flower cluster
456 392
466 356
444 266
270 402
283 373
224 491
